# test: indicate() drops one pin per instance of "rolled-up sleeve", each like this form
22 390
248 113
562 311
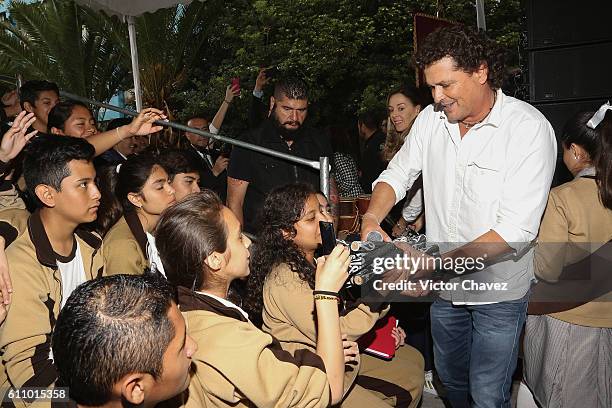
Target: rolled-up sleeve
527 183
406 165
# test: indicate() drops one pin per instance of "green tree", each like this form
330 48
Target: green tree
350 51
62 42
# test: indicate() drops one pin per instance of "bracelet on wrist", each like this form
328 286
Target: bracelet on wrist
226 101
325 292
326 297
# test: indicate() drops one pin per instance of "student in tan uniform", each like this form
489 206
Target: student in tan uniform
50 258
281 290
237 365
13 216
568 341
134 194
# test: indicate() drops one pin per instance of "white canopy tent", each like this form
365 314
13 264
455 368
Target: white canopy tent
128 9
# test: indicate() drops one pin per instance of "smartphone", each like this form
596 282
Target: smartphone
328 237
236 83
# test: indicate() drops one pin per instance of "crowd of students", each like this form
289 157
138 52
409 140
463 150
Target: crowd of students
126 278
93 252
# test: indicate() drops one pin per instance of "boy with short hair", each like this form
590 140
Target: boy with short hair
39 97
50 258
121 340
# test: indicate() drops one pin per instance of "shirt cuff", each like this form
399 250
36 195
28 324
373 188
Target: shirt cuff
213 129
516 238
398 188
258 94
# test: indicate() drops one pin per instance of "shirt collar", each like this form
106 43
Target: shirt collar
190 301
589 171
494 117
44 251
225 302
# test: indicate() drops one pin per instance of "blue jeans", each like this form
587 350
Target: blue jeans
475 350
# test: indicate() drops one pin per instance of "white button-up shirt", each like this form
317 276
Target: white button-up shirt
496 177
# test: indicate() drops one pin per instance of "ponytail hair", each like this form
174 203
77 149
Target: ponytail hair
116 182
603 164
598 144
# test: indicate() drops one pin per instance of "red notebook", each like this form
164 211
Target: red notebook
379 342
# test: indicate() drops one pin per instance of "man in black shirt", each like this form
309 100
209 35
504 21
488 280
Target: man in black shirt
371 163
252 175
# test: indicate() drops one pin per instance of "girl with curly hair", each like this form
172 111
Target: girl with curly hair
281 291
237 365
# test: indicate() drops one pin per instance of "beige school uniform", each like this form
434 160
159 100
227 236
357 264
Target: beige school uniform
25 335
125 247
239 366
288 315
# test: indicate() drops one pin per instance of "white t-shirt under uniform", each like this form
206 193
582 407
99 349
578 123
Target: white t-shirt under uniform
72 272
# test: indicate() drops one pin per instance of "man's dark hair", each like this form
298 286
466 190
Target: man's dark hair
371 118
46 159
468 47
30 91
111 327
59 114
176 161
291 87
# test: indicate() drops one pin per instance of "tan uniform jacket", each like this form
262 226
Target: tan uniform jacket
288 315
125 247
13 222
575 225
25 335
237 365
288 312
10 199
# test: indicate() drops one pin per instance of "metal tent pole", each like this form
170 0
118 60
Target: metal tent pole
322 165
134 55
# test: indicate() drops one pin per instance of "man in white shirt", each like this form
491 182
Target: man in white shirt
487 161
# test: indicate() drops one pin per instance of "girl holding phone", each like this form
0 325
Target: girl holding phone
281 290
201 244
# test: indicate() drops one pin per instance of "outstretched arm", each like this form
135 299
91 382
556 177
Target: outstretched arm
230 92
140 126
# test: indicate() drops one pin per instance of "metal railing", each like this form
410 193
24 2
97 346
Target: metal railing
322 165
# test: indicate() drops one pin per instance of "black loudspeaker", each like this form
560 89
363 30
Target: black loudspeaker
565 22
559 113
570 55
570 49
577 72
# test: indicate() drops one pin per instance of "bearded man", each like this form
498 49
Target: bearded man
252 175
